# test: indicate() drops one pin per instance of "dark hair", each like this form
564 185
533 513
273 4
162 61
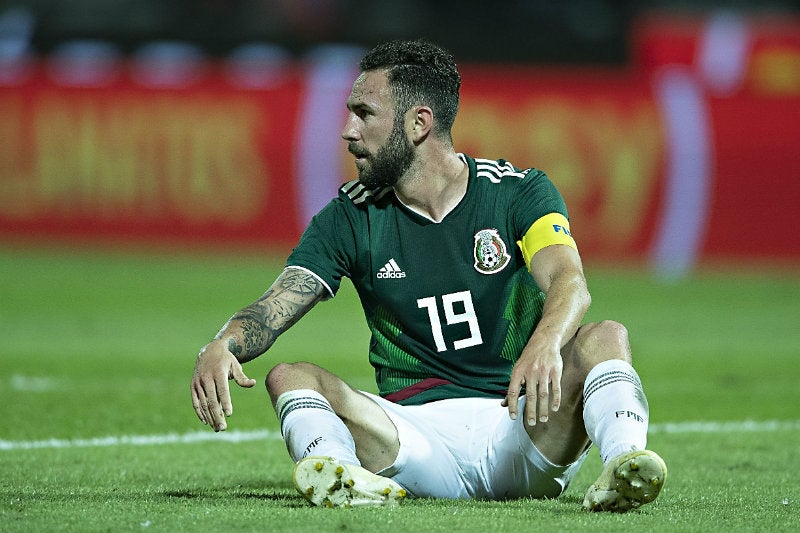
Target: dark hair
419 73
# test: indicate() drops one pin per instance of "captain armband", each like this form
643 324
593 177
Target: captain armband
551 229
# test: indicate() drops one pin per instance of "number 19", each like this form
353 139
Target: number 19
451 317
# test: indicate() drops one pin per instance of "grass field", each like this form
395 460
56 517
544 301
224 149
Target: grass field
98 434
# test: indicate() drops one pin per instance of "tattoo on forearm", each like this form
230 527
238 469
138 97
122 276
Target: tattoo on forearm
254 336
292 295
234 347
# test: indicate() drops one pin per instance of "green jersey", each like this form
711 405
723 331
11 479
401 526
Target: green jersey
450 304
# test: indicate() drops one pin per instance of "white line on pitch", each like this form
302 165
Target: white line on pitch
744 426
143 440
235 436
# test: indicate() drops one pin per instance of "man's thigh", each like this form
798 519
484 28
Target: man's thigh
374 433
516 468
426 465
469 448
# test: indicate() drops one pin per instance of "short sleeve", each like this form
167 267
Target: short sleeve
536 197
327 246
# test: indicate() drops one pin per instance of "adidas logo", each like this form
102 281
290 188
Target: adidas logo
391 270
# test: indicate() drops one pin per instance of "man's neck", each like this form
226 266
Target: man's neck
433 188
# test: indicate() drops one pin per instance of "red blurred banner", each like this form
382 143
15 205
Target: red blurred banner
690 153
746 72
202 162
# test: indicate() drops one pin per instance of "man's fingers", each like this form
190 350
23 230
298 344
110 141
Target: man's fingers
237 373
198 406
531 402
211 395
543 401
554 380
511 402
224 397
556 394
203 399
224 391
542 381
213 407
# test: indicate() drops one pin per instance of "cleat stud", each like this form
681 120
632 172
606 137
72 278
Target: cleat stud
634 466
339 470
655 481
318 466
401 493
386 491
309 491
329 504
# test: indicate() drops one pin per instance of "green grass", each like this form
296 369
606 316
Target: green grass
101 344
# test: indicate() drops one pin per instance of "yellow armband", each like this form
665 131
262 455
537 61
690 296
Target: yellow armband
552 228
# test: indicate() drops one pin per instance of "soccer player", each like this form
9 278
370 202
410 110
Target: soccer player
490 386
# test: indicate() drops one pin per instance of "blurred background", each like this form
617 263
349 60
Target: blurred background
671 127
517 31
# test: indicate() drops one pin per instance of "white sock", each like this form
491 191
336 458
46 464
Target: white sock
310 426
615 410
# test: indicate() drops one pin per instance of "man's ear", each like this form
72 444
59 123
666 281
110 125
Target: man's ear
423 123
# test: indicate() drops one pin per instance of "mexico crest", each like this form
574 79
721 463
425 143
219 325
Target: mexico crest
490 252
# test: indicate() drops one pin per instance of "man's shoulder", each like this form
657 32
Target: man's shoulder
502 170
358 194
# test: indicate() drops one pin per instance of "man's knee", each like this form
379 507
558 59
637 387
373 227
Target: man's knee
290 376
601 341
286 377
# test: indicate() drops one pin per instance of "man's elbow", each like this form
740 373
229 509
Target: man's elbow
586 298
582 296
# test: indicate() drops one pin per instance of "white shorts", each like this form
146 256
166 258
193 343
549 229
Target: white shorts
470 448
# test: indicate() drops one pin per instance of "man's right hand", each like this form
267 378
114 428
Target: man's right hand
211 396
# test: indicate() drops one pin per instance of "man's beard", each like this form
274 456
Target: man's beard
389 163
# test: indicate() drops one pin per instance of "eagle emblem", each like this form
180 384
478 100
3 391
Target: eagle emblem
491 254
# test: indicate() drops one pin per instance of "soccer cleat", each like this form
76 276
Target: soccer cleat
628 481
327 482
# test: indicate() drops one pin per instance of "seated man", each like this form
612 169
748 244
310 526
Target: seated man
471 283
